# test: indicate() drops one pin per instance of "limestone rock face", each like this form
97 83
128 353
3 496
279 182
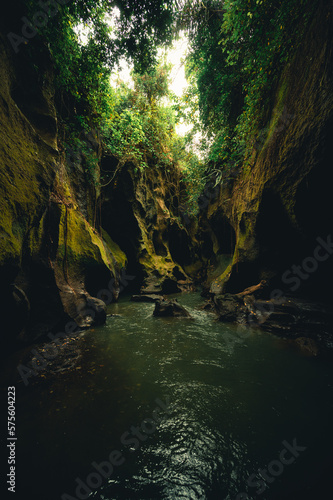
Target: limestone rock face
52 245
140 212
269 217
53 254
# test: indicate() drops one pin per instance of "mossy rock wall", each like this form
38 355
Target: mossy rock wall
281 202
140 212
27 169
49 247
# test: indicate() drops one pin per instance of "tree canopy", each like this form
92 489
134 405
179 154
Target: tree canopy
237 50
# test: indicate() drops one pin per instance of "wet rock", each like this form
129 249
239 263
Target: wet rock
291 318
277 322
151 286
302 321
56 357
229 307
307 346
208 306
145 298
90 312
186 285
154 284
170 308
99 310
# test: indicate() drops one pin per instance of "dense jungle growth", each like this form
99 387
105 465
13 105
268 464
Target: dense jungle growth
236 53
110 184
166 248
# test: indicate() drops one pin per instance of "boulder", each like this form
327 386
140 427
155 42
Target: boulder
229 307
170 308
146 298
90 311
99 308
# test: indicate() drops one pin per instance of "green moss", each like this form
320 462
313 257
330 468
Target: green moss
116 251
279 109
218 283
80 246
75 239
193 269
152 263
26 171
36 238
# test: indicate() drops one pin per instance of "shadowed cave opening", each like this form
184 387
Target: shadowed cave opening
179 245
122 226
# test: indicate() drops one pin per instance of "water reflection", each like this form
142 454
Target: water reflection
232 406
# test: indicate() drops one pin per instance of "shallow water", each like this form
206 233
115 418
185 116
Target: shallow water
229 398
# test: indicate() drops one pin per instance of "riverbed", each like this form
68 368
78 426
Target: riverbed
179 409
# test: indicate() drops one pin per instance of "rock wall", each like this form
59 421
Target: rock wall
141 213
53 258
62 241
281 202
54 255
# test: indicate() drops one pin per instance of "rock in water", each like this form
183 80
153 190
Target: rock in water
90 312
146 298
229 307
170 308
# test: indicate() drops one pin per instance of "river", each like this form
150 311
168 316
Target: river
185 409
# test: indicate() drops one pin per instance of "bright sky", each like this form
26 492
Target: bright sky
175 56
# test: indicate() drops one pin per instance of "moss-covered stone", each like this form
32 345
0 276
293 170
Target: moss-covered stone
145 226
47 208
27 169
280 203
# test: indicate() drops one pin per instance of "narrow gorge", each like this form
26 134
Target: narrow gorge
108 217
